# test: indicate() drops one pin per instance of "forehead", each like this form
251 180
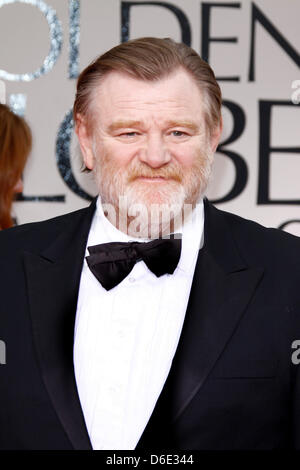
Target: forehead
120 96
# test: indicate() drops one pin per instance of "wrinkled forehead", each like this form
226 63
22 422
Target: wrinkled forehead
118 95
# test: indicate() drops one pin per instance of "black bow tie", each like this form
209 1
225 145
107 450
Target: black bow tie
112 262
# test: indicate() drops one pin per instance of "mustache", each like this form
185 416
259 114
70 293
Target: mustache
169 172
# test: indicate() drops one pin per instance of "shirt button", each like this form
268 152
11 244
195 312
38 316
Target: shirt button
131 279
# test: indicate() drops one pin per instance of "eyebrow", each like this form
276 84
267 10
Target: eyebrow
123 124
187 124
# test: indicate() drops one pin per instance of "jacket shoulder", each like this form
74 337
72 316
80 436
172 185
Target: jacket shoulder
257 242
38 234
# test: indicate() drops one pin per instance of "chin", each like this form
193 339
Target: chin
158 199
153 193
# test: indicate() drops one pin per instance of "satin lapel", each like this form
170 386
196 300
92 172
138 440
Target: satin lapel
53 281
213 314
223 285
221 290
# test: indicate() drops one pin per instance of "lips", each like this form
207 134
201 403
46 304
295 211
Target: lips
151 178
156 179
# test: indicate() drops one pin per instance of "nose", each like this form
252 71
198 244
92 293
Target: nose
18 188
155 153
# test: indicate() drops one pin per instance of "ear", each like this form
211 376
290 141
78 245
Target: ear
216 136
85 141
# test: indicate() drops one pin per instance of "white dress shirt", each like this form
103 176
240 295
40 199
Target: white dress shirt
125 338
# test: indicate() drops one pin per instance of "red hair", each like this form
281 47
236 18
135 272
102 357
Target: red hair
15 145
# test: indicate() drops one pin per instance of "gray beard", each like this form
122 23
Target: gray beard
144 210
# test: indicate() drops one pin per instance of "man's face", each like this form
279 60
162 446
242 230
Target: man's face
149 142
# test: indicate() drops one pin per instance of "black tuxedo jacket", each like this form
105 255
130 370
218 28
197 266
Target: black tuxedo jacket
232 384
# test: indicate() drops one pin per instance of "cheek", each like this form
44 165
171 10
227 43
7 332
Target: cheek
187 155
117 153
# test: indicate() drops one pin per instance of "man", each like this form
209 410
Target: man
179 333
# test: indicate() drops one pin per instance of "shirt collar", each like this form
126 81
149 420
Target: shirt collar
192 238
103 231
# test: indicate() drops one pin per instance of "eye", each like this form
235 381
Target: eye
128 134
178 133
